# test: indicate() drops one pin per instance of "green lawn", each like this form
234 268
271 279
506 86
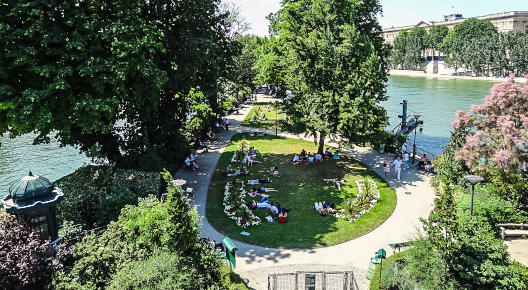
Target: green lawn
270 116
299 186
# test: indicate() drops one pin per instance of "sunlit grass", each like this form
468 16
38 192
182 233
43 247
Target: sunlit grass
299 186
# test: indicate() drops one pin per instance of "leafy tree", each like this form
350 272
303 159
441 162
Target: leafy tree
516 44
27 263
400 49
434 37
499 129
270 65
453 45
78 71
414 47
336 67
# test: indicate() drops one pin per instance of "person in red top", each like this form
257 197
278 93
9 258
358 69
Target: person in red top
283 217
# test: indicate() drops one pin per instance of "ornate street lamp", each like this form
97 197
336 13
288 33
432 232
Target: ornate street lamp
473 179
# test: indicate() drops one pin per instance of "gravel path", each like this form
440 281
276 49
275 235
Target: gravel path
415 200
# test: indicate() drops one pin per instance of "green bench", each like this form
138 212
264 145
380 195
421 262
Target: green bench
230 252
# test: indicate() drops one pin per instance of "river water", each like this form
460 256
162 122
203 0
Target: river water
436 100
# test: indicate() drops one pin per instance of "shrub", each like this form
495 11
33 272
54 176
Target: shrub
491 207
26 263
94 195
162 270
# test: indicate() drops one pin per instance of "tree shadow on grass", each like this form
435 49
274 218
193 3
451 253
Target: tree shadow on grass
299 186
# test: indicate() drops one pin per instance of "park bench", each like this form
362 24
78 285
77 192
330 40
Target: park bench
513 230
398 246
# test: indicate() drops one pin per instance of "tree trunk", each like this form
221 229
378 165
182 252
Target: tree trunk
320 150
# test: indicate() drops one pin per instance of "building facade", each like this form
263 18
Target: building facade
507 21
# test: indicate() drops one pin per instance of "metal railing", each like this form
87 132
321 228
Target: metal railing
316 280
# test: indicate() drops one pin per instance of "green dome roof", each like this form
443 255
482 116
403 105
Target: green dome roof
30 187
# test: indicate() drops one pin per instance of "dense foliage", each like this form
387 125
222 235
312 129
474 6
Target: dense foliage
151 233
474 45
27 263
335 65
95 195
113 81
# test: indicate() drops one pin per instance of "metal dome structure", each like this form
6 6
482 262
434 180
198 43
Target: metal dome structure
35 198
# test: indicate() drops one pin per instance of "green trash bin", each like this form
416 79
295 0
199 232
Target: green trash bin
230 249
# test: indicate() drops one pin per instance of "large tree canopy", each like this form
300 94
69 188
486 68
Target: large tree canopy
110 76
335 60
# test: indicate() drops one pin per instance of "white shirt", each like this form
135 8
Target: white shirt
404 148
187 161
397 163
295 158
318 156
406 157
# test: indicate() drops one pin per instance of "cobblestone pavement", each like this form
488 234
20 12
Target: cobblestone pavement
415 200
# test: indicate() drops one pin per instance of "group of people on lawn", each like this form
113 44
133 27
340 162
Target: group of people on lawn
401 161
309 158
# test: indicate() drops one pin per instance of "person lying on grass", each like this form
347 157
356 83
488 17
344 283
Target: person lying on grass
258 181
255 193
266 189
263 204
283 217
336 182
324 208
238 173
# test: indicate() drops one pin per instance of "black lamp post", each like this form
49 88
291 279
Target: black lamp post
416 117
473 179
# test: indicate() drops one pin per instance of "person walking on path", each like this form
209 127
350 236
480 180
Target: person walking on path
397 167
387 168
226 123
404 148
405 160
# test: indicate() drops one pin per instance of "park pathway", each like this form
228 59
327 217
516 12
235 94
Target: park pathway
254 263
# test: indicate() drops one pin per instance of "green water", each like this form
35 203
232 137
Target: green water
435 99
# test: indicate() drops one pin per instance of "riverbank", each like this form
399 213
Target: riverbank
414 73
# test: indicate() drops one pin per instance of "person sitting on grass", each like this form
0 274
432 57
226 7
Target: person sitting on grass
336 182
303 153
304 160
250 160
296 159
318 157
328 153
336 156
283 217
252 152
311 159
274 172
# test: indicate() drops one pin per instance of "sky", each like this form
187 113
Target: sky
395 12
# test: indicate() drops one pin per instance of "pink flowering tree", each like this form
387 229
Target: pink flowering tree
499 129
